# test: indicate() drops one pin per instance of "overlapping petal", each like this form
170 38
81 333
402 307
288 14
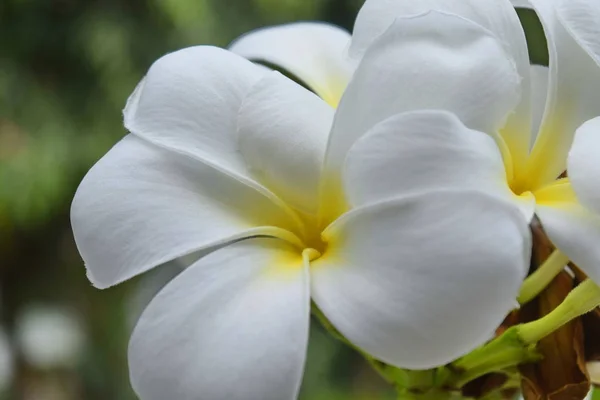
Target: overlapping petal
433 61
423 151
584 164
496 16
233 326
417 270
141 206
314 52
188 102
539 94
283 131
574 82
582 20
573 229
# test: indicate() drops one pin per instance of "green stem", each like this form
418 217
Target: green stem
393 376
505 351
517 344
581 300
536 282
435 394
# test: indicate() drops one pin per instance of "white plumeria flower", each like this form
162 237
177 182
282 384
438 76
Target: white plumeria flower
513 149
226 158
568 138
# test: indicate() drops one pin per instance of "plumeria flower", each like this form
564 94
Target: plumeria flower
285 201
526 134
562 171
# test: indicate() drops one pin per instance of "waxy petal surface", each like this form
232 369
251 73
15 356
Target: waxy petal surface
283 131
584 164
423 151
313 52
496 16
141 206
188 103
403 279
539 95
433 61
572 228
573 87
233 326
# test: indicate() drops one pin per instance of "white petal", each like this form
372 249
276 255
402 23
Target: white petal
584 165
233 326
283 132
423 151
141 206
582 20
422 281
539 94
188 102
313 52
574 84
521 3
434 61
497 16
575 231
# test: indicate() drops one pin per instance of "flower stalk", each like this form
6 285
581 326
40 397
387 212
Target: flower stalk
536 282
435 394
507 350
518 344
581 300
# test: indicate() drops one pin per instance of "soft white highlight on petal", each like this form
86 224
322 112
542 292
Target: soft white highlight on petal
539 94
423 151
141 206
584 164
314 52
575 231
582 20
283 131
403 279
521 3
233 326
149 285
433 61
574 84
496 16
188 102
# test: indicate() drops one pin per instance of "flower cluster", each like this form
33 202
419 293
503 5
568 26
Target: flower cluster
392 194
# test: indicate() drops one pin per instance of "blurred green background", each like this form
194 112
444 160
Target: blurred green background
66 69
